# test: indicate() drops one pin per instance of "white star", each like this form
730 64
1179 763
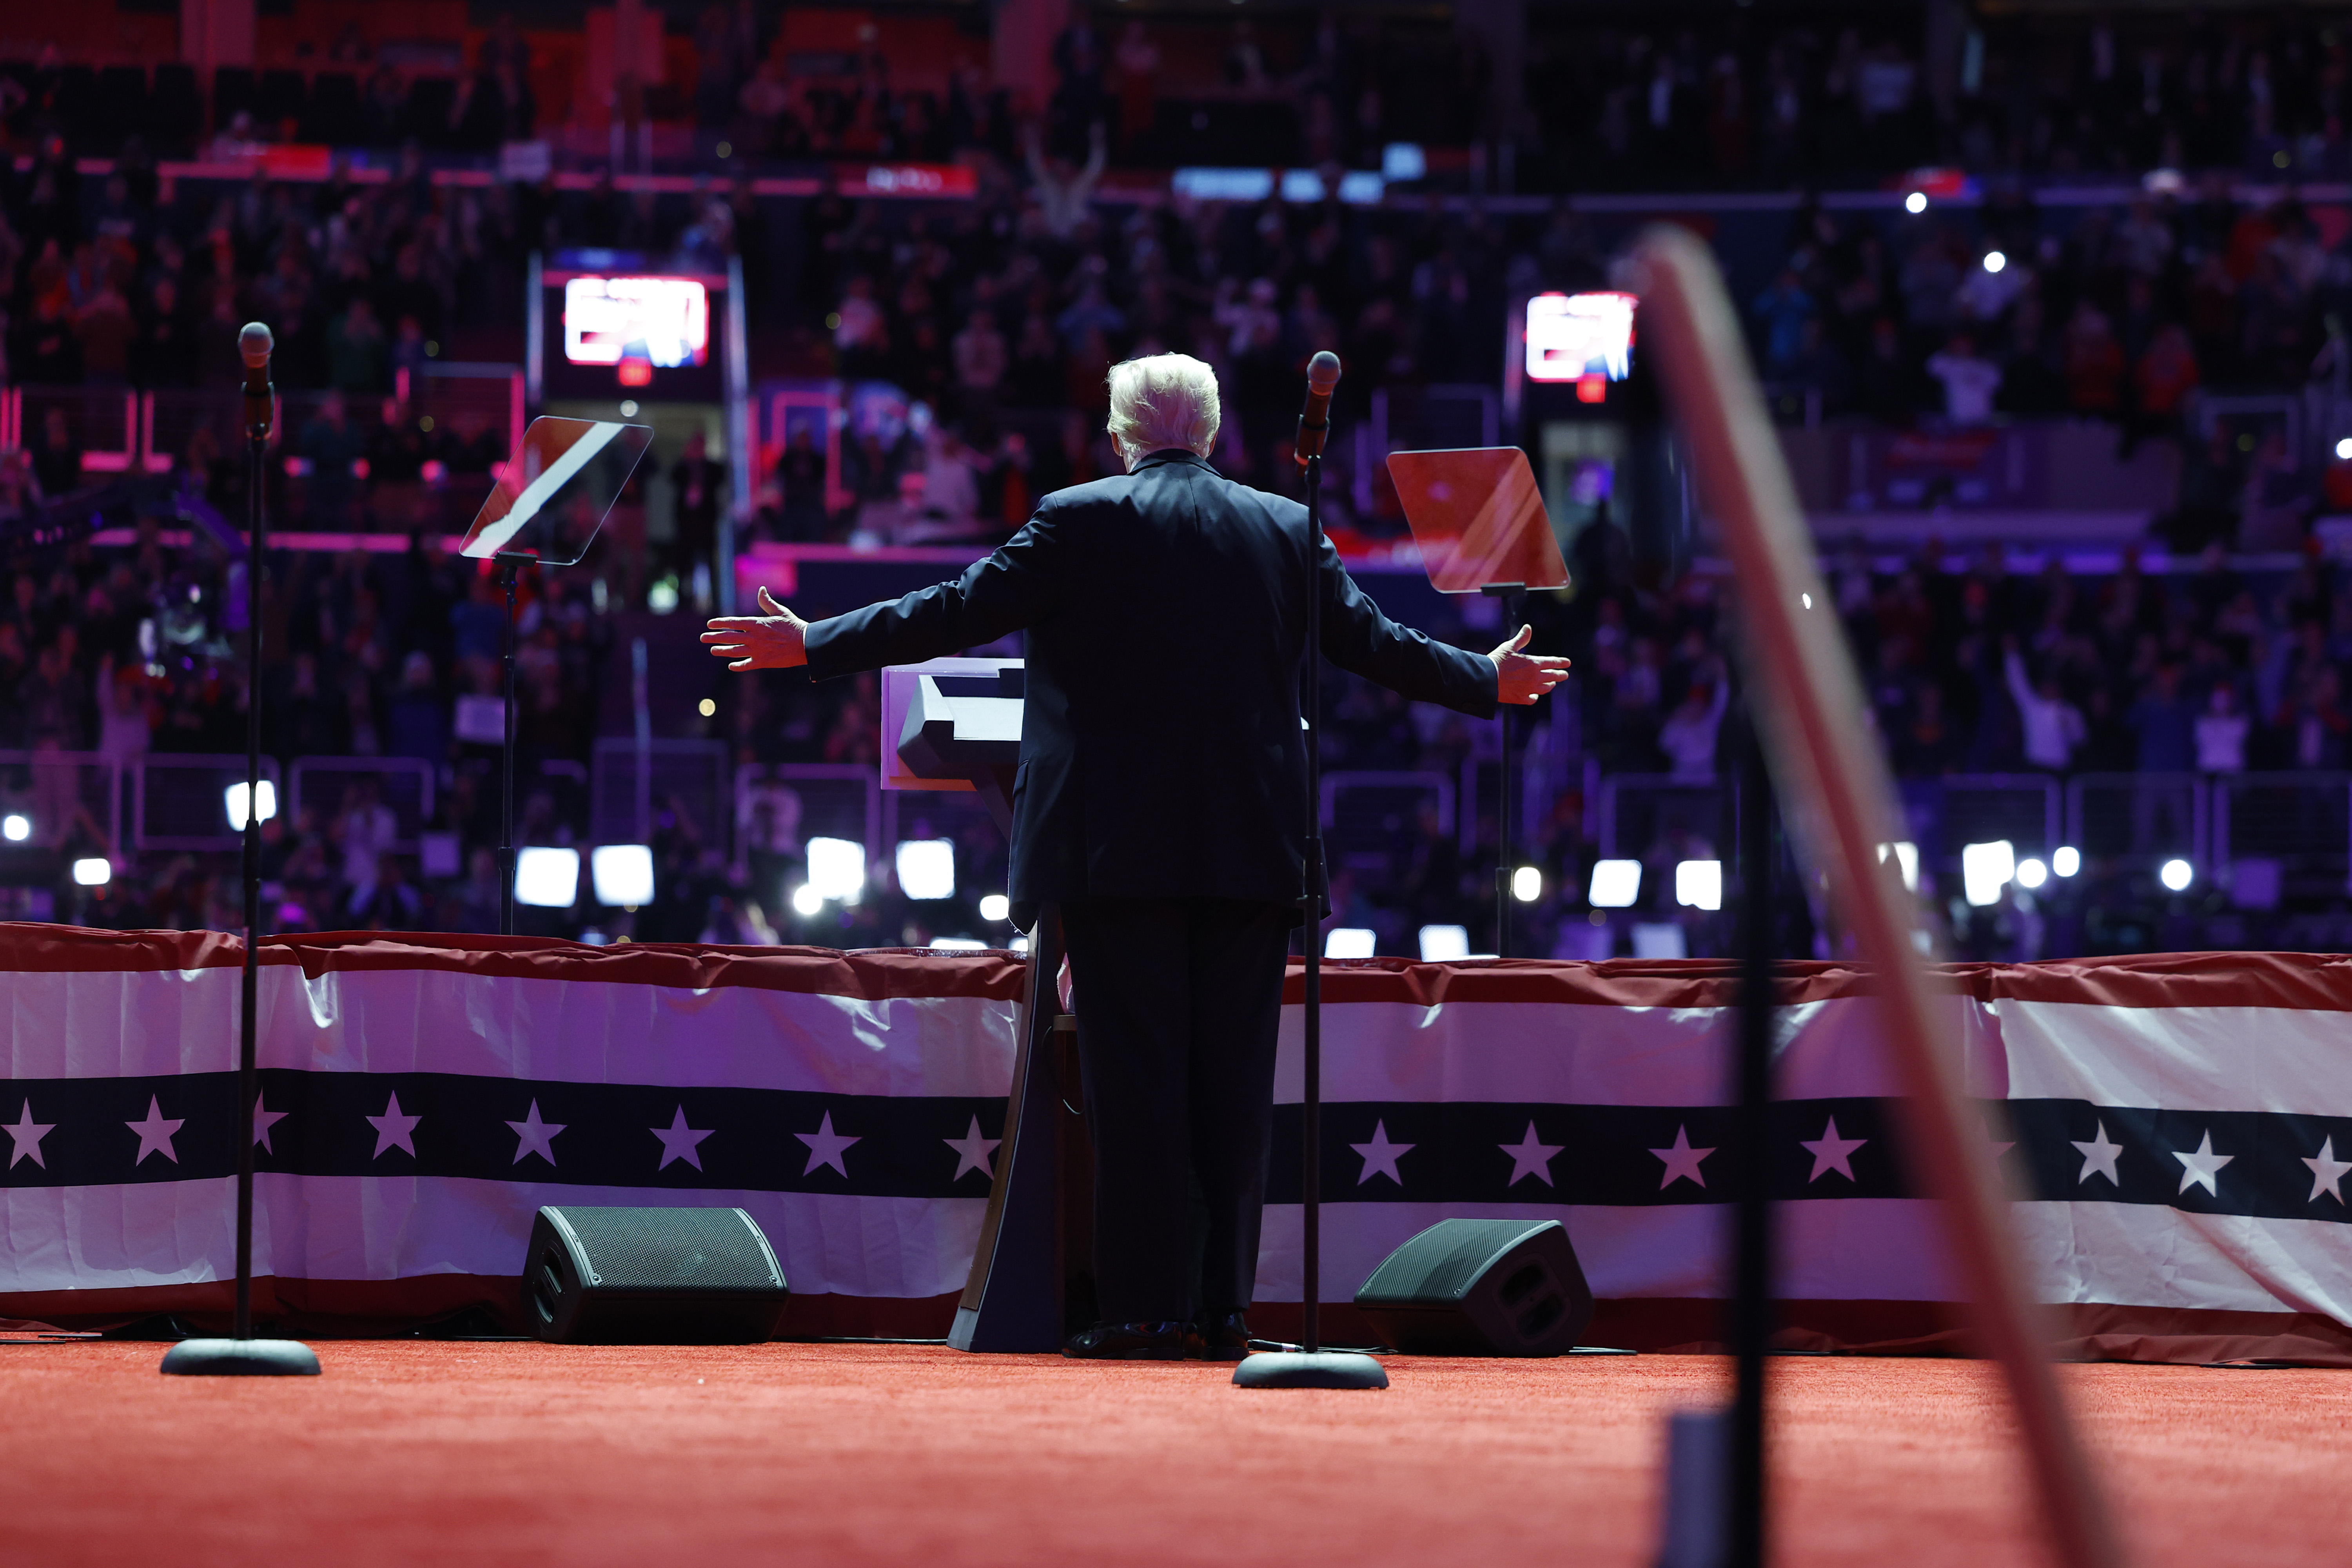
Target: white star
28 1134
1381 1156
825 1147
533 1136
1831 1153
393 1130
155 1133
2326 1170
2099 1156
972 1152
679 1140
1528 1158
1682 1160
2202 1167
1995 1144
264 1119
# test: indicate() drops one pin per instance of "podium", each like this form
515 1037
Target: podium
955 725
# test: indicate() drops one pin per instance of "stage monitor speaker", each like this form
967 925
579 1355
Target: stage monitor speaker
1480 1287
651 1277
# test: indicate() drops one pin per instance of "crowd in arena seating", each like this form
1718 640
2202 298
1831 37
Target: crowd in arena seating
993 322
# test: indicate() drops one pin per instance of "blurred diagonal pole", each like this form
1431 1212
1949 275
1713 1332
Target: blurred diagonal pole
1807 696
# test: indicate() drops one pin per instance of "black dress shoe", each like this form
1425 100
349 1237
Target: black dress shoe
1224 1339
1173 1341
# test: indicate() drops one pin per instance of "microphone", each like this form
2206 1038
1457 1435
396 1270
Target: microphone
1315 419
255 343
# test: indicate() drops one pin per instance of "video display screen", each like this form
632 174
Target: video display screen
666 322
1573 336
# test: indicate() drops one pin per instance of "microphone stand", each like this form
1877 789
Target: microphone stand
1311 1366
507 766
243 1355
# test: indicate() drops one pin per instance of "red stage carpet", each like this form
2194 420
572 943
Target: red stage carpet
409 1452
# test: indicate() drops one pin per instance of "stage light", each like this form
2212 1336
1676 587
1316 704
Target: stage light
621 875
94 872
1527 884
807 901
2067 860
1994 261
547 878
927 868
1615 884
1698 884
2344 448
235 800
836 869
1348 941
958 944
2176 875
17 827
995 907
2031 873
706 706
1906 857
628 408
1443 944
1986 869
1916 203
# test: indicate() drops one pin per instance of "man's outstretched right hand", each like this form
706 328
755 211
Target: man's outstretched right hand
1520 678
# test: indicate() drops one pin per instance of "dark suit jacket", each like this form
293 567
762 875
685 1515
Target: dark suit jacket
1160 752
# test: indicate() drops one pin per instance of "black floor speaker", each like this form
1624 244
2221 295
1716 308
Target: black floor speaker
1480 1287
651 1277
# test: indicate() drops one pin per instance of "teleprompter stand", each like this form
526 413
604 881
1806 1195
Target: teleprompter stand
242 1355
1479 523
549 500
1312 1366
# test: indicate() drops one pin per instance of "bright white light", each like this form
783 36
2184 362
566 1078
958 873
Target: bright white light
1698 884
836 869
1986 869
1994 261
2031 873
2344 448
958 944
1615 884
995 907
547 878
926 868
1916 203
807 900
1572 336
2176 875
17 827
1348 942
1907 855
1806 599
668 319
1527 884
1443 944
93 872
622 874
2067 860
237 802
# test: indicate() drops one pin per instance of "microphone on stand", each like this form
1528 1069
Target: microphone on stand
1315 419
255 343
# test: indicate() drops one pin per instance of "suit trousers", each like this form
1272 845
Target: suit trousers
1178 1002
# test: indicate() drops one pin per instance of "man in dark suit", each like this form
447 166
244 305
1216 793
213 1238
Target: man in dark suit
1159 804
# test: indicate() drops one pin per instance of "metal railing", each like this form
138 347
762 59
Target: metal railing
404 784
1352 797
830 800
2137 817
631 781
180 800
57 792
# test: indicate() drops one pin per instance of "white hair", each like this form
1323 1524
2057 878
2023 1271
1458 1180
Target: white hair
1163 401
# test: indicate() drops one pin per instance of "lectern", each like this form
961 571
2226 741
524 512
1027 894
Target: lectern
955 725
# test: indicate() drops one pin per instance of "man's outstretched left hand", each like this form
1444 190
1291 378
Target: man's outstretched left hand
1520 678
777 640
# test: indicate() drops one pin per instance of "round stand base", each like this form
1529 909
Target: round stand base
241 1358
1297 1369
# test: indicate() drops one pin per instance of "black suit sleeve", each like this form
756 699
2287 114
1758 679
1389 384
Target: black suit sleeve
1358 638
1015 587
